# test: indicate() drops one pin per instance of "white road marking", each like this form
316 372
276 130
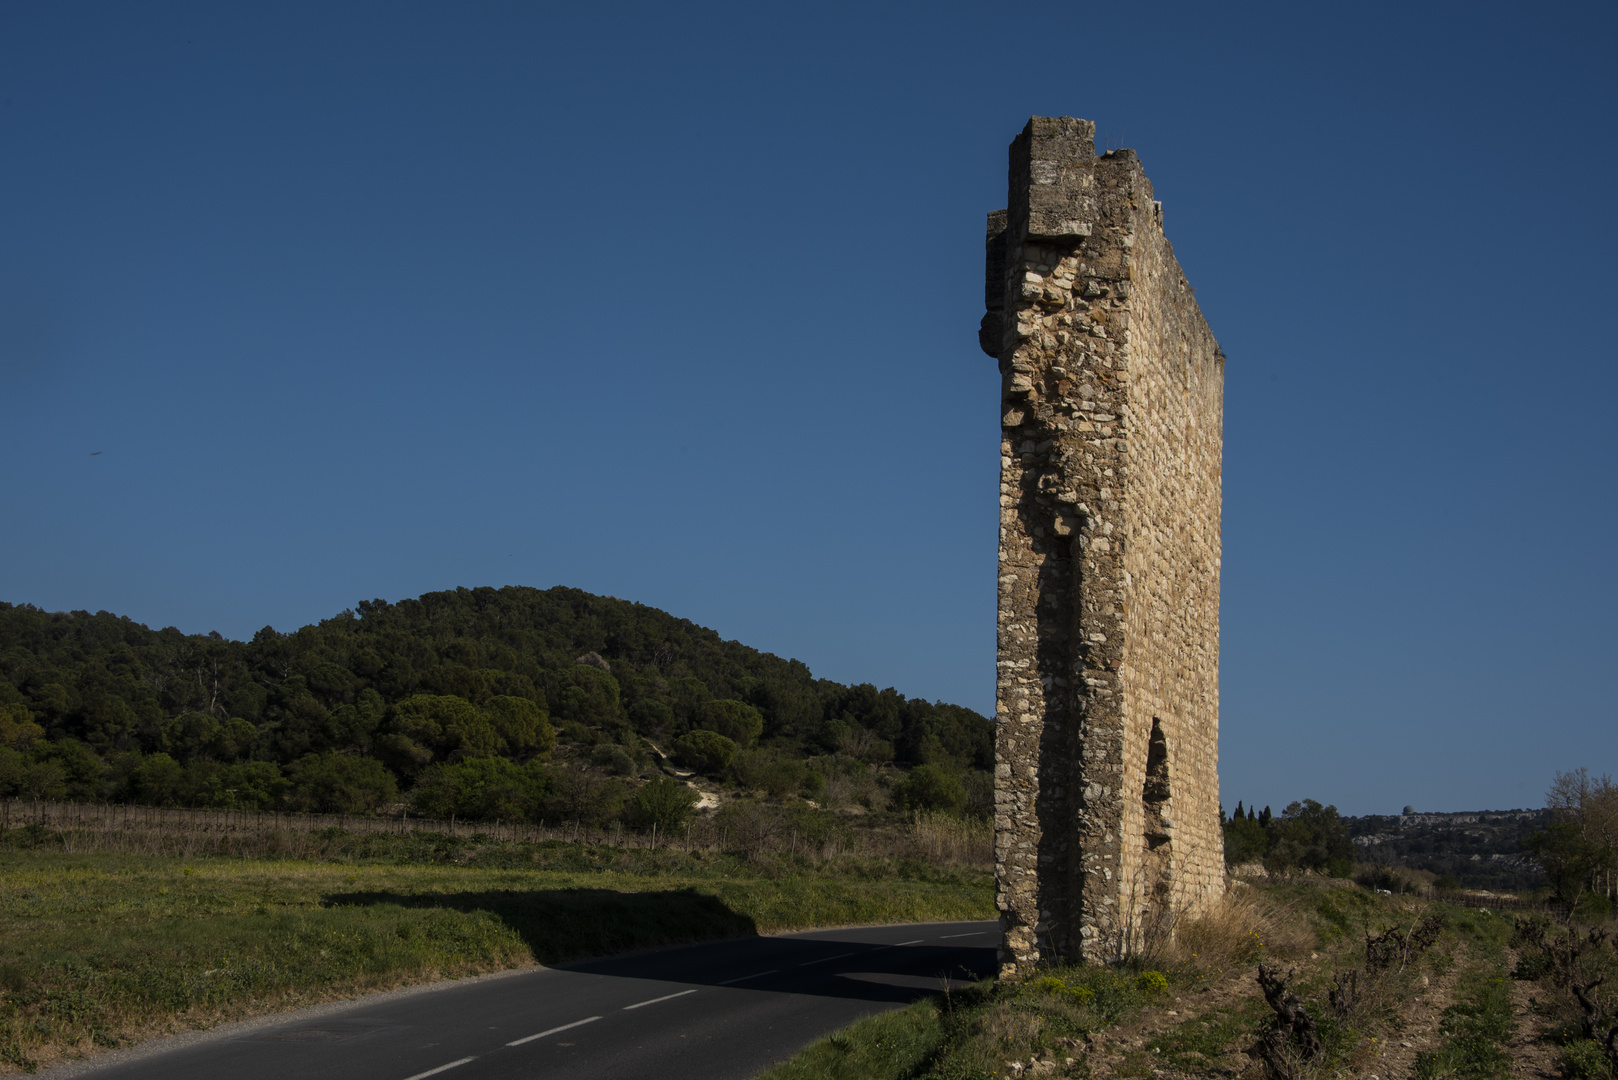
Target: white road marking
744 978
553 1031
441 1068
974 933
827 959
654 1001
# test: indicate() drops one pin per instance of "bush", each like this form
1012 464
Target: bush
17 727
1309 836
735 720
664 802
522 726
929 787
154 779
80 766
1245 841
577 795
770 772
1057 987
756 827
1393 879
1585 1059
245 785
615 759
437 726
814 785
483 789
21 778
589 696
338 784
650 717
707 752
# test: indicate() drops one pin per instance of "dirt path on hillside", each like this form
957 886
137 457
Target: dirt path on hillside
1397 1058
1531 1059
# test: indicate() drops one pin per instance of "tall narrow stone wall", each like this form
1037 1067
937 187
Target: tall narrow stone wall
1107 746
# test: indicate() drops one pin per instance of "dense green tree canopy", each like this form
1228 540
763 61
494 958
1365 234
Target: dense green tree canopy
99 706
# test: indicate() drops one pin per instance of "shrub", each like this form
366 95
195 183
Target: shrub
245 785
21 778
707 752
735 720
1050 984
483 789
429 726
1245 841
769 772
17 727
814 784
614 758
929 787
588 695
1309 836
664 802
522 726
1585 1059
650 717
338 784
81 767
577 795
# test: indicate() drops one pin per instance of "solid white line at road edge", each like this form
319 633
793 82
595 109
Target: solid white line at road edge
654 1001
441 1068
551 1031
827 959
744 978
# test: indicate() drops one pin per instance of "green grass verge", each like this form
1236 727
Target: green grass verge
100 950
1036 1028
975 1034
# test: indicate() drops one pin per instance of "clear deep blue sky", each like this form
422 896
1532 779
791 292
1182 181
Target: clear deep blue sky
678 303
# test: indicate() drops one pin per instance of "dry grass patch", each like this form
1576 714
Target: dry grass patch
1245 925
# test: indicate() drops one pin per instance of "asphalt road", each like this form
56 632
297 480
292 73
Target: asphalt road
724 1010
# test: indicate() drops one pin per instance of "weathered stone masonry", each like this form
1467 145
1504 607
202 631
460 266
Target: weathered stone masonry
1107 748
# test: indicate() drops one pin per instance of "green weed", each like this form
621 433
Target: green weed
1475 1030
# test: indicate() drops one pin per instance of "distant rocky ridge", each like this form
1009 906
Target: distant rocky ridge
1480 849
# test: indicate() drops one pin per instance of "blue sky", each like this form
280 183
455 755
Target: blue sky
678 303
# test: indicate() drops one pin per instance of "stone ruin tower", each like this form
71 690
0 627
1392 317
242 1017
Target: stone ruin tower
1112 389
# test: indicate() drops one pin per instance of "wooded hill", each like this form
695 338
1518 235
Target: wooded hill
99 706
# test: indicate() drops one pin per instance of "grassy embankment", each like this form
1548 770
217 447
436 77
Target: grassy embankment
103 949
1444 1009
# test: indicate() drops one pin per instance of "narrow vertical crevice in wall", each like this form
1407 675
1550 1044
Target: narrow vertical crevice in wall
1157 841
1053 624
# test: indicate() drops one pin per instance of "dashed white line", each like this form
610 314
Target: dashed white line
902 944
755 975
653 1001
441 1068
827 959
974 933
550 1031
